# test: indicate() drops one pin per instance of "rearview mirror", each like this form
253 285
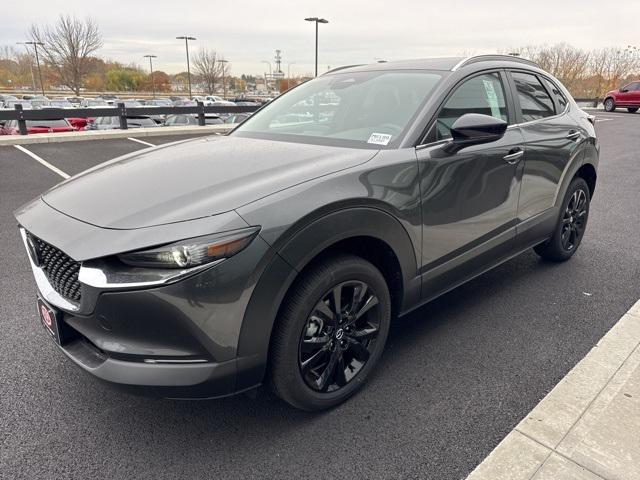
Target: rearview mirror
473 129
623 90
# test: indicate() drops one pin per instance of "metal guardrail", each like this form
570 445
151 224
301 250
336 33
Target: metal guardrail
120 110
594 101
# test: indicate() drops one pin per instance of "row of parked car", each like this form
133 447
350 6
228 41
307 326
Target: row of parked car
75 123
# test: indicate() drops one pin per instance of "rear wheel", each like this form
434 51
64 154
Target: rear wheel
632 109
330 334
609 105
571 224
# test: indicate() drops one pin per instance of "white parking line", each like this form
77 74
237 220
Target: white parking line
141 141
43 162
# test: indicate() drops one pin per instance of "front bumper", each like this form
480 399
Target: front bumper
177 340
170 380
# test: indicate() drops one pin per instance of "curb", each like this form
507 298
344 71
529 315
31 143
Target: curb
109 134
586 427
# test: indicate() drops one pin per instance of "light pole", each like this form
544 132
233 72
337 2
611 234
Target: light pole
35 47
186 44
153 83
317 21
224 86
289 74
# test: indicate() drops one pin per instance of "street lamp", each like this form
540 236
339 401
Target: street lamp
317 20
224 86
186 44
35 47
153 83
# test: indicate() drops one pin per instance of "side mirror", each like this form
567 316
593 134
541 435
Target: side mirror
474 129
623 90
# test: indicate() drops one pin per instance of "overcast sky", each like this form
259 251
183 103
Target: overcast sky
247 32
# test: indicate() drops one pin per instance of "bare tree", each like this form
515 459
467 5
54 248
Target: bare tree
67 48
210 68
612 66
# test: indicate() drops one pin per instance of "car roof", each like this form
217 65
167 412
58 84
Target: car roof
450 64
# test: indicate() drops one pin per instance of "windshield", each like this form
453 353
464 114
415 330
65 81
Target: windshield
350 109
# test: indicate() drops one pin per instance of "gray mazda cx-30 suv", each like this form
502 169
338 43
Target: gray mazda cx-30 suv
280 253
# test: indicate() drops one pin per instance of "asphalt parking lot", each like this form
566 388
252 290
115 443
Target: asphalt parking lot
456 377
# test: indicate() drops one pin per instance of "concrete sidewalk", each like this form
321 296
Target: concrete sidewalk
588 426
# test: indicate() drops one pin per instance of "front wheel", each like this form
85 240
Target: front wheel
632 109
571 224
609 105
330 333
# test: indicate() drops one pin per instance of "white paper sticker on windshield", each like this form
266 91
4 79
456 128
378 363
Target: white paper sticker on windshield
379 138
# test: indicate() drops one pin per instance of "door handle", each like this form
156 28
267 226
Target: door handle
514 156
573 135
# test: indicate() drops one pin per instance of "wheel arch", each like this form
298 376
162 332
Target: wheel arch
368 232
588 172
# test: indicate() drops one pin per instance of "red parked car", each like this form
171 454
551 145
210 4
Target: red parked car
38 126
628 96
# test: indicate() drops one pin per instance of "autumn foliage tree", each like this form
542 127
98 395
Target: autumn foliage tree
585 73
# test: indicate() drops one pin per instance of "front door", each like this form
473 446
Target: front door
469 198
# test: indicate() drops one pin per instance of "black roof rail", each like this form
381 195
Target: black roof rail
342 68
493 57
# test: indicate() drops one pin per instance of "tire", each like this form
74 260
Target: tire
307 341
609 105
571 224
632 109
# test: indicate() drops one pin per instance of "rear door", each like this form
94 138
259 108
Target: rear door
551 141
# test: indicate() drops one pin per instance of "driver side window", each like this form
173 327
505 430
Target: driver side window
481 94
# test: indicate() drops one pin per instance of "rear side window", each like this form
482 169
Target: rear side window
535 102
481 94
560 99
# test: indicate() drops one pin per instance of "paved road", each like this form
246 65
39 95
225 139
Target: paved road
457 375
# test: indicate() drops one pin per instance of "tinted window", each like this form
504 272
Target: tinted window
557 94
535 102
482 94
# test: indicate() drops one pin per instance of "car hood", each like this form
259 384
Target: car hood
193 179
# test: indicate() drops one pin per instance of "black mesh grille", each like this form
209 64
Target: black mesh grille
60 269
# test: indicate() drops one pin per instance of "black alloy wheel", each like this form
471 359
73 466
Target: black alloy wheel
571 224
574 220
339 336
330 333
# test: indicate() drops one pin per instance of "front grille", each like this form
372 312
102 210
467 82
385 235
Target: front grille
60 269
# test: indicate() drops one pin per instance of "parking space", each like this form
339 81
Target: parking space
75 157
456 377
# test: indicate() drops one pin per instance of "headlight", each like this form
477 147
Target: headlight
192 252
